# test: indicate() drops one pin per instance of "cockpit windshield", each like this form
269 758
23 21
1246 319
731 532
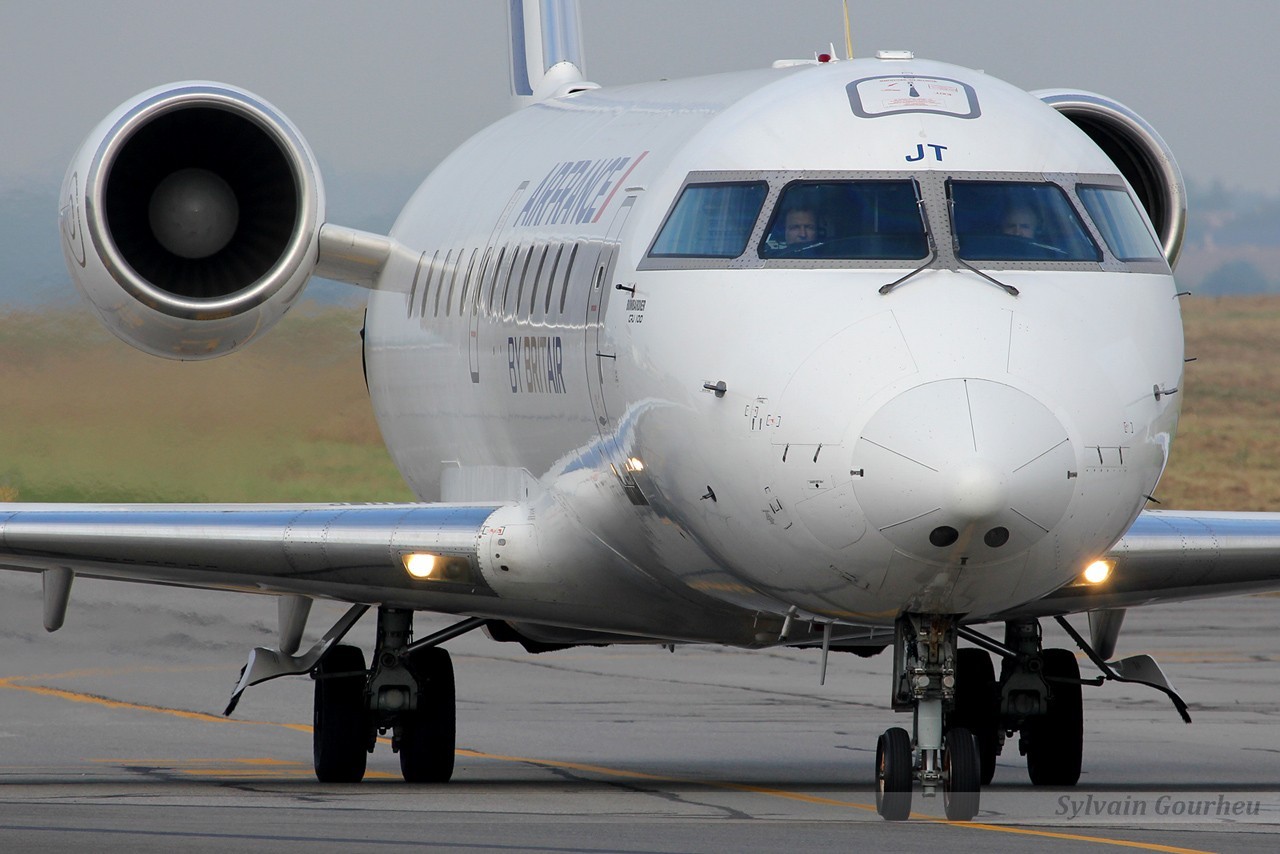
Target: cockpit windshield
847 220
1122 227
711 220
1017 221
905 220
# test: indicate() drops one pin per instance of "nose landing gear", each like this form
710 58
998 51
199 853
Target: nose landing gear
925 663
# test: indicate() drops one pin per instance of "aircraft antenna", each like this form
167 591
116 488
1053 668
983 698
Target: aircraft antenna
848 35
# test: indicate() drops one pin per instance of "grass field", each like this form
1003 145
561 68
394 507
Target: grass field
86 418
1227 454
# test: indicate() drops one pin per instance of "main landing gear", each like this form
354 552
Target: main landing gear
407 690
1040 694
962 714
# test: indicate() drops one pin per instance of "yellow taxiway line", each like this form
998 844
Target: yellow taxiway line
254 767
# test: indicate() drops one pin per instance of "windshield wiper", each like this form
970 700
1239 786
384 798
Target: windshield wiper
1009 289
955 249
928 233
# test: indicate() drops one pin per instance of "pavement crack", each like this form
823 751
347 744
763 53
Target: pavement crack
723 811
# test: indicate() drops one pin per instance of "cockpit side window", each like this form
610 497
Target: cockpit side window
1017 221
711 221
1119 222
852 220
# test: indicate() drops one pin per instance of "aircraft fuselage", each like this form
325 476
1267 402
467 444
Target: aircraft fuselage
763 425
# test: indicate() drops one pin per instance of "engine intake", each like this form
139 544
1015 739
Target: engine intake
1143 158
191 218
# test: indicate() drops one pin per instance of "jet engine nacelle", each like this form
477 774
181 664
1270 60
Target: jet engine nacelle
190 219
1144 159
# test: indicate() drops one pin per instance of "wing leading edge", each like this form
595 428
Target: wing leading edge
354 552
1176 555
497 564
349 552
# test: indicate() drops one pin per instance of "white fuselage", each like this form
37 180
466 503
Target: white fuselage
529 349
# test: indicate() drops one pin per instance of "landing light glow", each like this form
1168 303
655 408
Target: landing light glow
419 565
1098 571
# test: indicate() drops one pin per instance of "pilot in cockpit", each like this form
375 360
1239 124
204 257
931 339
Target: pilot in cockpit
800 227
1020 221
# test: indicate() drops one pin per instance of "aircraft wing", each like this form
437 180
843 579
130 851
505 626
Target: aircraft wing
355 552
350 552
1173 555
359 553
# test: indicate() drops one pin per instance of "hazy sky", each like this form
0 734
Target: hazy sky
383 90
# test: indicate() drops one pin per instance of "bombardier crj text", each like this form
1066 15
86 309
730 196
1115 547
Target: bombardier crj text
862 354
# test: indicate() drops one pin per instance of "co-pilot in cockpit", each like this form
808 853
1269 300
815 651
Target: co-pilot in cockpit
1017 221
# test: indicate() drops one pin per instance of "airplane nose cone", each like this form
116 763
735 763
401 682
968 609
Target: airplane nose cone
964 468
978 492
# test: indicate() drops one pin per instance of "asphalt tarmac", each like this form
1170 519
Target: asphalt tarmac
112 739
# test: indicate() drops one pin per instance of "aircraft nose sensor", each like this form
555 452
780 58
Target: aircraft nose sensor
964 469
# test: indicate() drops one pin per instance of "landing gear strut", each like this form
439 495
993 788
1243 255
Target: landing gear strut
408 690
924 665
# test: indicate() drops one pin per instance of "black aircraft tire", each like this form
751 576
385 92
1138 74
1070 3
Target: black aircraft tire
895 775
1055 741
341 723
961 770
977 707
427 735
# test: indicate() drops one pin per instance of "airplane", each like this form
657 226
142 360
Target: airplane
847 354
